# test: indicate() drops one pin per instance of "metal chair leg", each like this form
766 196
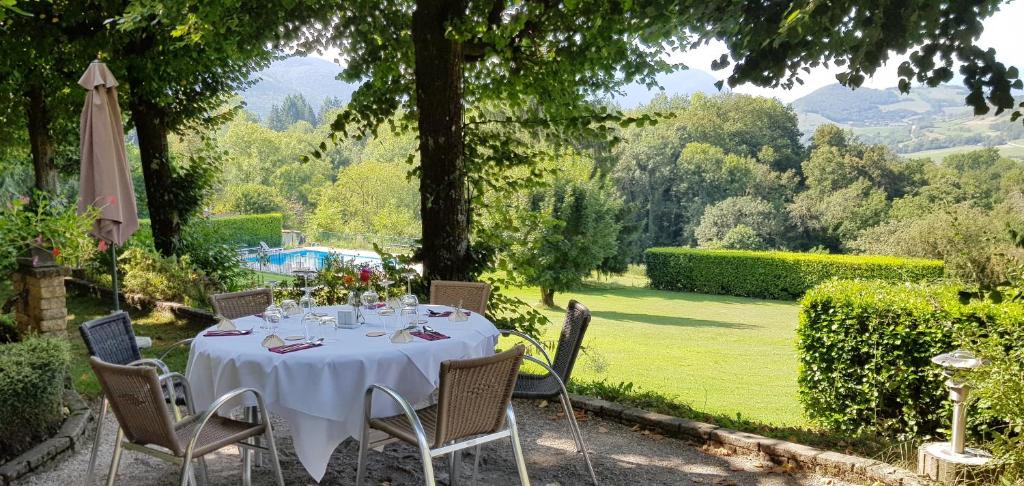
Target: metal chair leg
364 444
570 415
517 449
246 467
454 460
574 425
115 461
96 442
187 476
253 415
428 467
275 460
204 477
476 464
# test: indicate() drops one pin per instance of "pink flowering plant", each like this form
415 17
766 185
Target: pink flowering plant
45 227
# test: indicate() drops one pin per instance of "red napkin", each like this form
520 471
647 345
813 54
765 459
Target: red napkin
378 305
431 313
429 336
235 332
288 348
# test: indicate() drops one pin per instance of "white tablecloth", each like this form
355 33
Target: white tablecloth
320 391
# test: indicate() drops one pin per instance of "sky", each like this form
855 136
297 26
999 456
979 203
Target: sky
1001 33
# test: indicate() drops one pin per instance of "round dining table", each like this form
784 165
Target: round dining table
319 391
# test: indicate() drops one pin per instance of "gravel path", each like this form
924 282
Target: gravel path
622 455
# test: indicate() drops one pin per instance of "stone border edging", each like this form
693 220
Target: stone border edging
178 310
69 437
779 451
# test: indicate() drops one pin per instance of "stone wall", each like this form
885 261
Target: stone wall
41 300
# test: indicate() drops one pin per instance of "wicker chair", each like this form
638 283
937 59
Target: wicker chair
135 395
473 407
472 295
112 339
552 384
240 304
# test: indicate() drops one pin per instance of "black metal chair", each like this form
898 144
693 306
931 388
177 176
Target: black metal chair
552 384
112 339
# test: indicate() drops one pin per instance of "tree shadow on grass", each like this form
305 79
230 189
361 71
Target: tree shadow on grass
668 320
617 290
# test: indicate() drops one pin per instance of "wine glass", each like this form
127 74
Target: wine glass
272 284
409 275
370 299
272 317
411 302
386 281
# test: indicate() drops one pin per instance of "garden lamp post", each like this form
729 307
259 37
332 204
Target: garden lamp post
945 461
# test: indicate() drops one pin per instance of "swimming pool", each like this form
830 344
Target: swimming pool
287 261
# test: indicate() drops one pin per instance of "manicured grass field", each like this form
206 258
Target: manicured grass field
720 355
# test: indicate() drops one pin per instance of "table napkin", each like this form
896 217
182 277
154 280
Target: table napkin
433 313
234 332
294 347
429 336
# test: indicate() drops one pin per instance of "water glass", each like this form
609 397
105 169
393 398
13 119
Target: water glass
370 298
272 316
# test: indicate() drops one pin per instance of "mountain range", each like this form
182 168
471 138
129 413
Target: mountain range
925 122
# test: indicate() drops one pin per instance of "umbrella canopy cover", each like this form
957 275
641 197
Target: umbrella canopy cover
106 181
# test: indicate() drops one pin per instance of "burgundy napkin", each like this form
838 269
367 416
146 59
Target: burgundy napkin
378 305
288 348
431 313
429 336
236 332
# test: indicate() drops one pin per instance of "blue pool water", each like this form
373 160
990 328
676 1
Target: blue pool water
289 260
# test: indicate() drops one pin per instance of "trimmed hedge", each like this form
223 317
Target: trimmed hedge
246 230
865 350
32 378
773 274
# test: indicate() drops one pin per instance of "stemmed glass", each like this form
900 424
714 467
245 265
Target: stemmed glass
273 307
410 303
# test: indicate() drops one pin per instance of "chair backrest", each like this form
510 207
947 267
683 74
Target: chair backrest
137 400
474 394
111 338
473 295
240 304
577 319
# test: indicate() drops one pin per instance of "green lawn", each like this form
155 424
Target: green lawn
161 326
725 356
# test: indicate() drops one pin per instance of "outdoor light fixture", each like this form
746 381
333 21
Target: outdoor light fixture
945 461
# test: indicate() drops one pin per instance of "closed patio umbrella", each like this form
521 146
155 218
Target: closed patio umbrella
106 181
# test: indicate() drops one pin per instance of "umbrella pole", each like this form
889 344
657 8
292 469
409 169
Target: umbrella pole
117 291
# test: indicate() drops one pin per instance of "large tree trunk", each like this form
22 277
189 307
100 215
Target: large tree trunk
156 171
40 138
444 204
547 297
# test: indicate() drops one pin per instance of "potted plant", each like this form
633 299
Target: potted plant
44 233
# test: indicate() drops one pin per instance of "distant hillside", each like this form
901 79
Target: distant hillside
685 82
312 77
929 121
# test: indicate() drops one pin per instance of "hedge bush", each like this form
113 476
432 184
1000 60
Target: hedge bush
32 378
865 350
773 274
246 230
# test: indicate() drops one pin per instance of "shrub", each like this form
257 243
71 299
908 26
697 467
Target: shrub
865 349
173 279
247 230
773 275
32 377
234 231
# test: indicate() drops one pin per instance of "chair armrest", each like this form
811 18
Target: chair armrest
550 371
175 345
216 406
407 410
534 342
185 386
152 362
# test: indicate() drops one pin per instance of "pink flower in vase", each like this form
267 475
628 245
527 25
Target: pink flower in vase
364 275
102 246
